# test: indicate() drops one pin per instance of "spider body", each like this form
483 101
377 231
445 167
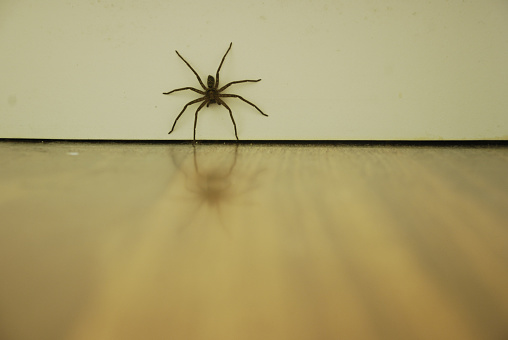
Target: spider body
211 94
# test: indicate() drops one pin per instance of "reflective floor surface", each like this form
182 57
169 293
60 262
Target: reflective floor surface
225 241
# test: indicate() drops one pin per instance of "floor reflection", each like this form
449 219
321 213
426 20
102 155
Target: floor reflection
224 241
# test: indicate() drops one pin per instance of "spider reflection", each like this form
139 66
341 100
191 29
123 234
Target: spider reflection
213 184
212 178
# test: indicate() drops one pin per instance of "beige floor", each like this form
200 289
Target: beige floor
167 241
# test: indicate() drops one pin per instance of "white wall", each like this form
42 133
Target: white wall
370 69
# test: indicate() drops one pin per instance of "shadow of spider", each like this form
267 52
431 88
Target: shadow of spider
212 94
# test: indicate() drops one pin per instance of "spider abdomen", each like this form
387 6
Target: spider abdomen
211 82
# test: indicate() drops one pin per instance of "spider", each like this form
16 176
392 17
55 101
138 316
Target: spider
212 94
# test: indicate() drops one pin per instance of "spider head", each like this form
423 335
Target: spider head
211 82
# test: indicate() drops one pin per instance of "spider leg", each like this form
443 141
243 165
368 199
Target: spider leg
185 88
237 82
231 115
197 76
245 100
180 114
196 118
222 61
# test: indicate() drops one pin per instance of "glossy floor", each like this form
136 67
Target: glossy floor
327 241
